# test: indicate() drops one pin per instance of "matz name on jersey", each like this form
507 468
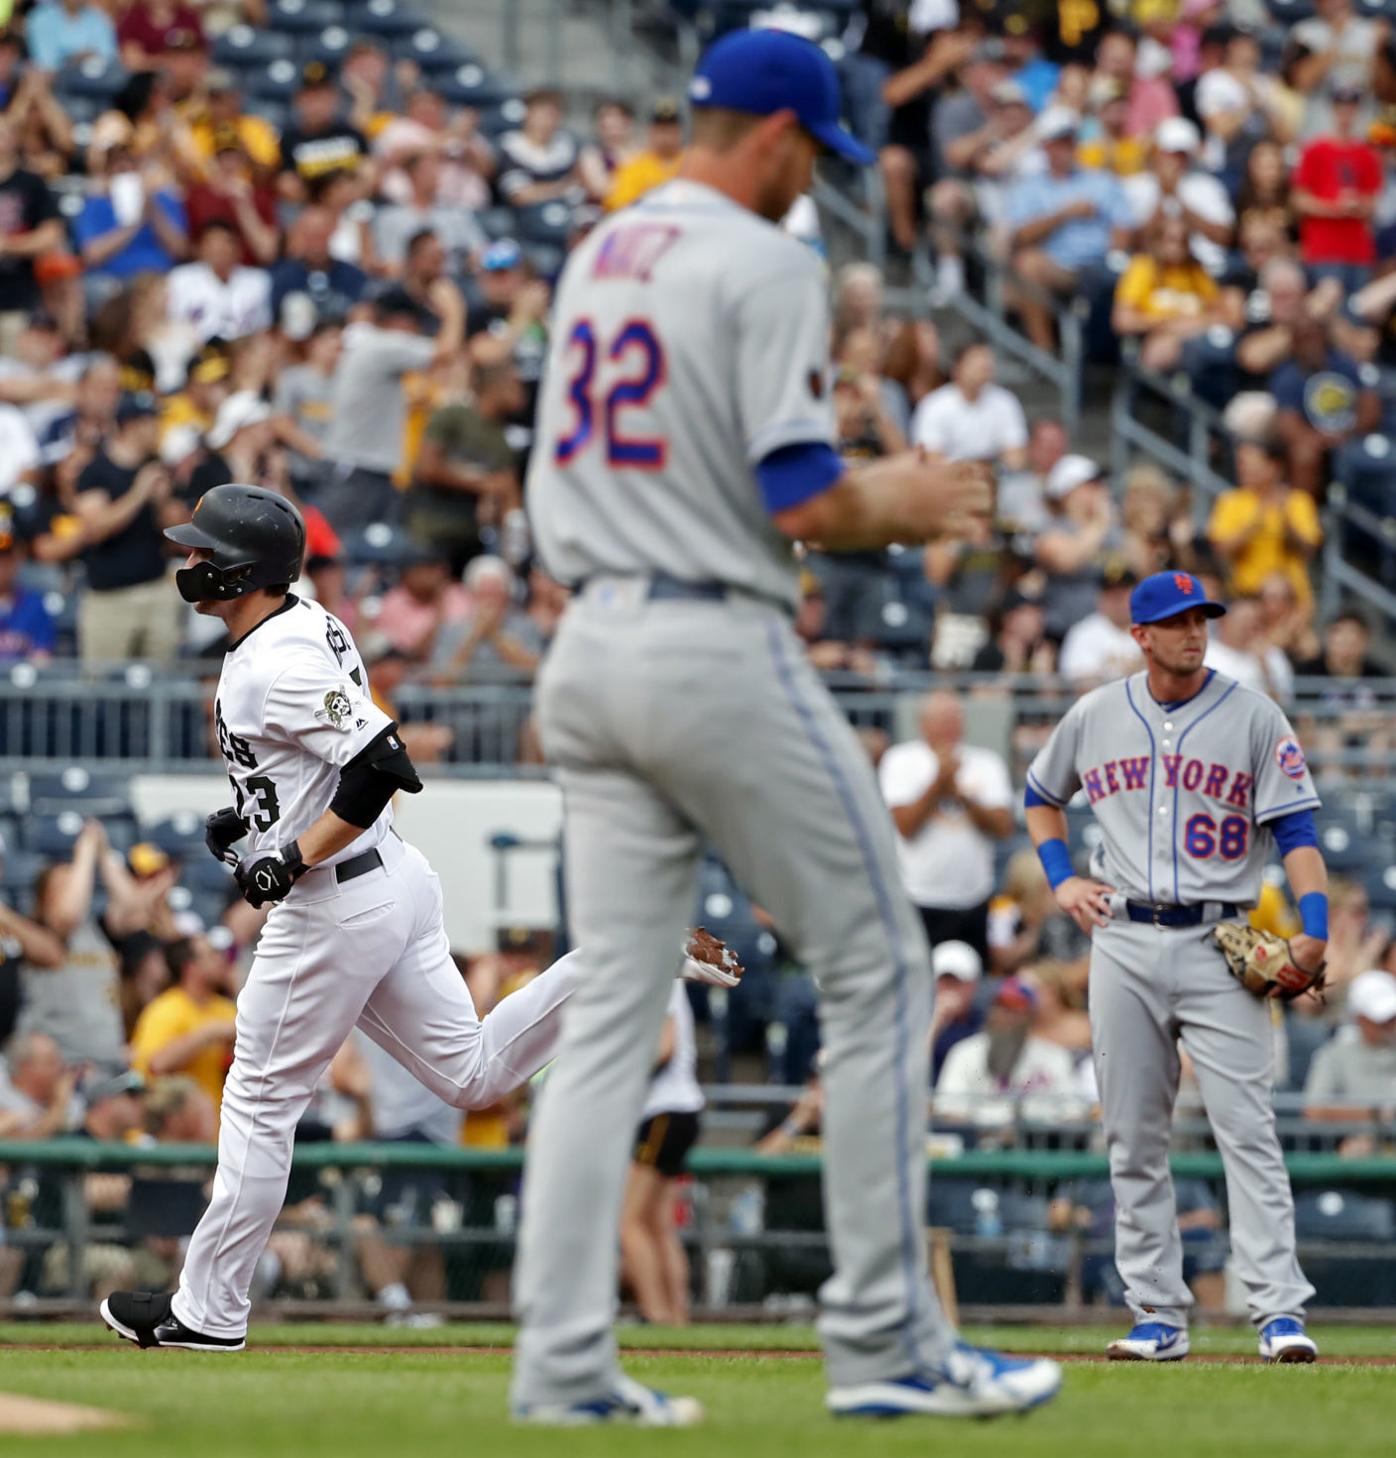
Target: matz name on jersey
1215 781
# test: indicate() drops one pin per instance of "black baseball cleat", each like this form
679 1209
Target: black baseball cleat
146 1318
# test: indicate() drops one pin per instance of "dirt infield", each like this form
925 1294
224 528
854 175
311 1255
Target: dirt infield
33 1417
749 1354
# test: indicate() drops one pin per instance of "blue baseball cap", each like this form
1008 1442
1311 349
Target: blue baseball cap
762 72
501 254
1167 593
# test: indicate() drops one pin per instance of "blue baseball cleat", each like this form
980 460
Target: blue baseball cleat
627 1402
974 1383
1283 1339
1150 1341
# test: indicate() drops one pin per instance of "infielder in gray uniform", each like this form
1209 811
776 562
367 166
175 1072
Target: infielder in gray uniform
684 443
1192 778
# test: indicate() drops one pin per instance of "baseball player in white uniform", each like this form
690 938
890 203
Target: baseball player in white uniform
684 442
355 934
1192 779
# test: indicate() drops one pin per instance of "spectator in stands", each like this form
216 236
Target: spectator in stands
1287 622
466 159
318 143
467 472
1022 495
1264 526
1278 304
59 31
1324 402
89 419
1107 140
957 968
950 802
496 634
304 395
1149 98
19 451
1335 49
149 29
1239 105
539 162
219 112
1176 186
327 582
308 267
232 195
1346 658
1018 642
1265 195
375 89
37 1089
1006 1072
77 1003
396 225
613 142
29 228
1355 1074
127 609
972 418
1099 648
425 599
1165 297
656 163
365 442
508 313
1238 649
1336 185
1063 223
188 1028
1083 525
28 633
1157 522
216 296
22 941
126 226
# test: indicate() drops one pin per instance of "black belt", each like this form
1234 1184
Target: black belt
357 866
1177 915
661 587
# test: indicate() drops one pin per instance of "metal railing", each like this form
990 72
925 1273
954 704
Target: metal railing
997 1221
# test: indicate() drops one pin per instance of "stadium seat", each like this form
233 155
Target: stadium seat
431 50
92 77
299 17
469 84
78 789
384 17
19 869
278 80
242 47
1342 1215
53 836
180 835
327 46
376 545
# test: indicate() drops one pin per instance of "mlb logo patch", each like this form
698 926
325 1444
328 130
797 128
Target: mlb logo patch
1290 758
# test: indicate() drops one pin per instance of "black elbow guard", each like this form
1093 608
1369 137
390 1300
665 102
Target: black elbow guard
366 784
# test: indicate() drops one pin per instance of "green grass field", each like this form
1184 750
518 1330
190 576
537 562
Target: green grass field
421 1400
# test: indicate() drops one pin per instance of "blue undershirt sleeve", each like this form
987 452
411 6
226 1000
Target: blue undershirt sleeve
1293 830
795 473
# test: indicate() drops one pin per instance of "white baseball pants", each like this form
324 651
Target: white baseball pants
372 952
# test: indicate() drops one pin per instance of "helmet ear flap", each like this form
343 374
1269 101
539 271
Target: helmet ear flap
208 582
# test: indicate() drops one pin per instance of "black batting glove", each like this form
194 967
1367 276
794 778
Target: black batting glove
222 830
270 878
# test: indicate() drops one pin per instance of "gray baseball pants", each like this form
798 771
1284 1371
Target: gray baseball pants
1150 989
671 723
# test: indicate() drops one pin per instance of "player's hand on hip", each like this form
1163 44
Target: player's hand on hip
269 878
1085 901
221 830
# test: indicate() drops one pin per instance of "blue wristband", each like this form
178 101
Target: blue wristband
1056 861
1313 914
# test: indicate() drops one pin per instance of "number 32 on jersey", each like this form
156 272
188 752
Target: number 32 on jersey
608 378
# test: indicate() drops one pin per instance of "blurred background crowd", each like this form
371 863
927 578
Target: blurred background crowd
312 244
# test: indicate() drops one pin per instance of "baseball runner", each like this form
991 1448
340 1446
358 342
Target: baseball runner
1192 778
684 442
355 934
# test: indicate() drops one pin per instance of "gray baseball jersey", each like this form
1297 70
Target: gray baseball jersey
690 340
1182 792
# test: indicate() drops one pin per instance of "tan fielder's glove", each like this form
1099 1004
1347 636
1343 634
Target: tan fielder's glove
1263 963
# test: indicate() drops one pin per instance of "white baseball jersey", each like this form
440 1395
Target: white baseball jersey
1182 792
690 341
674 1089
291 712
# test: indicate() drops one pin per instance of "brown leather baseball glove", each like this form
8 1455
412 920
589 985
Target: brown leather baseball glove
1263 963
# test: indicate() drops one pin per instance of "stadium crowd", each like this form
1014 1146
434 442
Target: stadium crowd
340 289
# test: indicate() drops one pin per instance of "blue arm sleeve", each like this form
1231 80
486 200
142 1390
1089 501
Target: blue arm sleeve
1031 798
795 473
1293 830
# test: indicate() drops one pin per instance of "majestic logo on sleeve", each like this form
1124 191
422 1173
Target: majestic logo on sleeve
1290 757
338 712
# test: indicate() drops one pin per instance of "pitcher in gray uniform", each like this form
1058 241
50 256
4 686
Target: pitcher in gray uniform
684 441
1192 779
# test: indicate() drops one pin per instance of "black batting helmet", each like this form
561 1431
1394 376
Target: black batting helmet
257 539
